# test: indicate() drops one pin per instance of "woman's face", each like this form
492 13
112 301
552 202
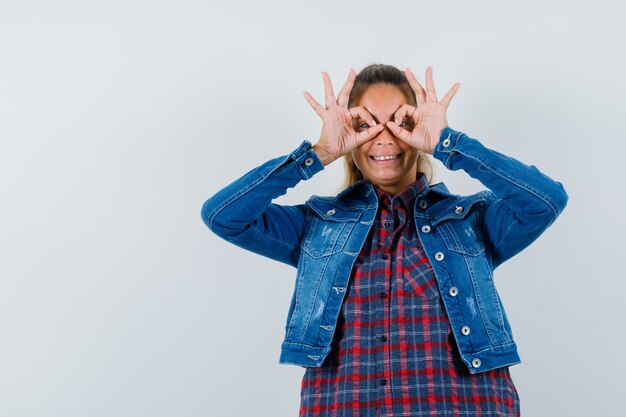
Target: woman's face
391 175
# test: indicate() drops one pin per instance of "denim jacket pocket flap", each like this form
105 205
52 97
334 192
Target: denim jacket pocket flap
327 227
462 207
332 212
462 229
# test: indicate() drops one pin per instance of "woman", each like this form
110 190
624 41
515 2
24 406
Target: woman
394 311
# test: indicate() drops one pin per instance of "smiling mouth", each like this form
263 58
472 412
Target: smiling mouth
385 157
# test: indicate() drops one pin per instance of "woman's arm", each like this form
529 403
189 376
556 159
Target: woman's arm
524 201
243 213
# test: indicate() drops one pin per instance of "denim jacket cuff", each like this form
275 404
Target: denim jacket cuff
447 144
306 160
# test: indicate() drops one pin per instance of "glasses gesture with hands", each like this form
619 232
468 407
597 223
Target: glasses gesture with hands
339 137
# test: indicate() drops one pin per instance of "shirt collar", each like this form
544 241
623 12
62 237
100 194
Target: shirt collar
407 195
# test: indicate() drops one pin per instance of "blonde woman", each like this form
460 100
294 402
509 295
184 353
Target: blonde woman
394 311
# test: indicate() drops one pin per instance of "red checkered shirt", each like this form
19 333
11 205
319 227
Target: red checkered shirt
393 353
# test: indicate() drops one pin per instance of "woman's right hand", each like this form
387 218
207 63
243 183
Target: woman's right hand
338 136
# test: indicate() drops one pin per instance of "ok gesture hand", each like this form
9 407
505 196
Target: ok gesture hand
338 136
429 117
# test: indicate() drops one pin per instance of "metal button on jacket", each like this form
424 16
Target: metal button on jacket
308 162
423 204
439 256
465 330
446 142
476 363
458 210
330 212
426 229
453 291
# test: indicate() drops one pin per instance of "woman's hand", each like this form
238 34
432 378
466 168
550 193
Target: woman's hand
338 136
429 117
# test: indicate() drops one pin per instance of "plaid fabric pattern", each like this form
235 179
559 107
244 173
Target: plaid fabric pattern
393 353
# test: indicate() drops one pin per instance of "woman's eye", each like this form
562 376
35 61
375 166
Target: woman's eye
364 125
404 123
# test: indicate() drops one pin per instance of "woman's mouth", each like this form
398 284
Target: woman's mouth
385 157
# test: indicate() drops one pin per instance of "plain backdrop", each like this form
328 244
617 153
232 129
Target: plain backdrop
119 118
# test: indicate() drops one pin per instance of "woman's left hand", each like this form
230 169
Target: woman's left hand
429 117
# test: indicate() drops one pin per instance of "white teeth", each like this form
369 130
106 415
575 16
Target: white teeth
384 157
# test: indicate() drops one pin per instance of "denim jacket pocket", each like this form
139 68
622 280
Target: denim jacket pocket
462 232
326 228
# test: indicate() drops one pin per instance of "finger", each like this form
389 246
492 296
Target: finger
328 90
406 110
448 97
398 132
344 94
319 109
361 112
431 94
369 134
420 94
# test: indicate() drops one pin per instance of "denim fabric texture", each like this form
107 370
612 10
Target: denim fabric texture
464 237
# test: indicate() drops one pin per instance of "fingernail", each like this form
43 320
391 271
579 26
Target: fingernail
373 122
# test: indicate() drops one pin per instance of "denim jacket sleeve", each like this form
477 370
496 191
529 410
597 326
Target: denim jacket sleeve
523 201
243 213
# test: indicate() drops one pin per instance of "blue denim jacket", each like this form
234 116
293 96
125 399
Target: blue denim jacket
464 237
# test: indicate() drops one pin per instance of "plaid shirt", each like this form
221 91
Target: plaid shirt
393 353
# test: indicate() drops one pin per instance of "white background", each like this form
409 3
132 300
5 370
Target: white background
119 118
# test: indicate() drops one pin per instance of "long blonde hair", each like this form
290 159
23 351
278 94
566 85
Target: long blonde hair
381 74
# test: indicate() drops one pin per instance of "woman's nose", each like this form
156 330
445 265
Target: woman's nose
385 137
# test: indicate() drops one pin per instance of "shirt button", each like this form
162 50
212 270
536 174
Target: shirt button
383 295
308 162
439 256
383 382
458 210
476 363
385 224
383 338
465 330
423 204
426 229
330 212
453 291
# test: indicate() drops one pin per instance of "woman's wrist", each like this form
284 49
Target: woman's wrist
323 156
